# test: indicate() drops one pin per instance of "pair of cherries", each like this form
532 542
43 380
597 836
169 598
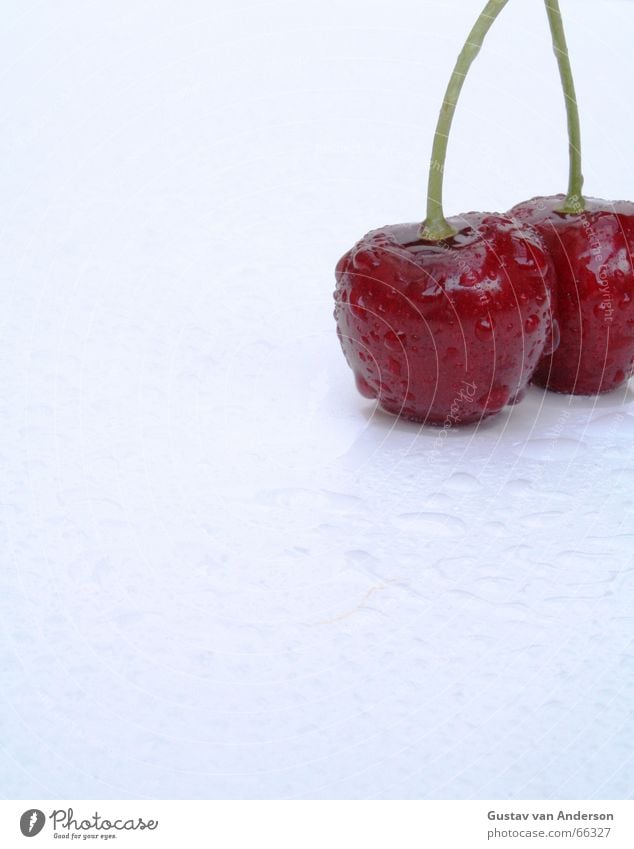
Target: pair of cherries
448 322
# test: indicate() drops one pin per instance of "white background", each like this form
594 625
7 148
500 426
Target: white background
223 575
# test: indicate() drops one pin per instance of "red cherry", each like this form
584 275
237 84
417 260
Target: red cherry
592 255
445 332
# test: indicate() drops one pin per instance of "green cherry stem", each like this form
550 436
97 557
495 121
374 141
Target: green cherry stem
574 199
436 227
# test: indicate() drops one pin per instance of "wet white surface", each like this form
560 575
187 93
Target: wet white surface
223 573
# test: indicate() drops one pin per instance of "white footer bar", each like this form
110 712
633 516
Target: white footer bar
317 825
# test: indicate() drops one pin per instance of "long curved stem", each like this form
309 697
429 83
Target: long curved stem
436 227
574 199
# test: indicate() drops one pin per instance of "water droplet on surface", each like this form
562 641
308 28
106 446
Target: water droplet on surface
484 329
546 519
496 529
518 486
462 482
555 449
434 524
615 425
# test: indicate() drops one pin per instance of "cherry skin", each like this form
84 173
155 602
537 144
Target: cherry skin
592 255
447 332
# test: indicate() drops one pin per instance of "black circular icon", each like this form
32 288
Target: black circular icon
32 822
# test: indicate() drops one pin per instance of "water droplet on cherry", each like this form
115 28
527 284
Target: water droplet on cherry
365 260
394 366
554 338
484 329
518 397
364 387
603 310
532 323
394 341
357 304
342 266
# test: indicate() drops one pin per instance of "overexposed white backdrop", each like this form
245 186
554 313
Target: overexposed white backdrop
223 574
